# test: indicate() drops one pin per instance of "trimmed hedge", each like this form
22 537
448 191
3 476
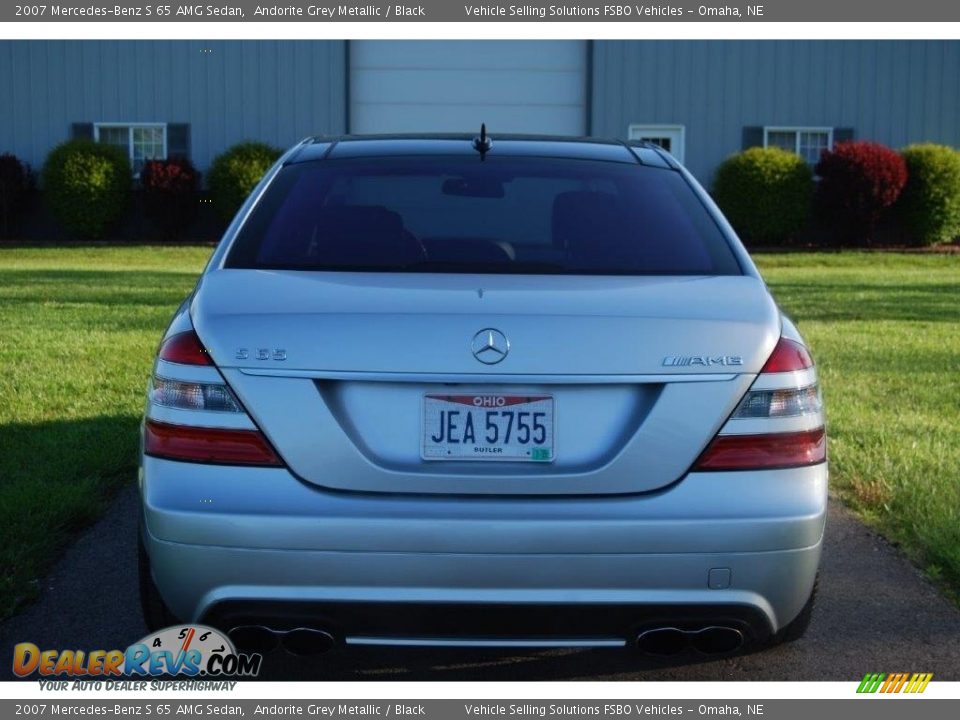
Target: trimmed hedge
859 180
930 204
235 172
87 186
765 194
16 182
170 194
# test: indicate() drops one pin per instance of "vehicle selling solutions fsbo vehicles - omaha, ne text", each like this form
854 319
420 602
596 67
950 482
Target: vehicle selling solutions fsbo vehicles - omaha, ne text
469 391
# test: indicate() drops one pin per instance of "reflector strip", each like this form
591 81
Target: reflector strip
769 451
208 445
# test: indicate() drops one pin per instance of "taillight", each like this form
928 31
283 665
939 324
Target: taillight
756 452
185 348
790 402
208 445
193 396
778 423
194 416
787 356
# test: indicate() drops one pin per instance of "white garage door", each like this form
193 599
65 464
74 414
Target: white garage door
441 86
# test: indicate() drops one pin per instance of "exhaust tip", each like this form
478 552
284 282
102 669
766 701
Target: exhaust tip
254 638
717 640
663 642
709 640
308 641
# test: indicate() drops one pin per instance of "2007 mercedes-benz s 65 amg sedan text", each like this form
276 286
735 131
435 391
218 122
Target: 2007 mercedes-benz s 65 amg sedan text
451 390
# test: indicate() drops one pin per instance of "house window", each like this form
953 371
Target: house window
141 141
807 142
669 137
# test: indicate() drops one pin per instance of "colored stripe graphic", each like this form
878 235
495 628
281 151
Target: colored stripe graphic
894 682
870 683
919 682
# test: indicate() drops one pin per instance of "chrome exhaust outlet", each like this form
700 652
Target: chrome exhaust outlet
307 641
715 640
663 642
254 638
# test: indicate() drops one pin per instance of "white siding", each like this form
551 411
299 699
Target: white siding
453 86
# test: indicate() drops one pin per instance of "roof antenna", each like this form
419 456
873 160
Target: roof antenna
482 143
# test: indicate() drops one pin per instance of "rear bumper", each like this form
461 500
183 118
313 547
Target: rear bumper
232 546
481 624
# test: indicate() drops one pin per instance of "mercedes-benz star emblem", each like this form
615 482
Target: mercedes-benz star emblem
490 346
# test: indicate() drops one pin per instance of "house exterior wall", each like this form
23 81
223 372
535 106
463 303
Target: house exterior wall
894 92
227 91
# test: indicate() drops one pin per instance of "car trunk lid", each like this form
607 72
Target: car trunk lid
334 368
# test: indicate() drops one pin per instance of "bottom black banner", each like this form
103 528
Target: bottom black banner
874 707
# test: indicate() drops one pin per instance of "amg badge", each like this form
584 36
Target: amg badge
701 360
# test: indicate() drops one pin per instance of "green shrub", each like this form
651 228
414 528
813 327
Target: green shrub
930 203
235 172
87 185
765 194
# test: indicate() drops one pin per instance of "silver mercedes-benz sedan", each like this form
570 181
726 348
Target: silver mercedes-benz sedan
469 391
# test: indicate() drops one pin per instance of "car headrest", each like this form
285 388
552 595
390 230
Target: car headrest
365 235
579 217
359 221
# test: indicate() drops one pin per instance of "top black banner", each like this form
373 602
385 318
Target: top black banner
470 11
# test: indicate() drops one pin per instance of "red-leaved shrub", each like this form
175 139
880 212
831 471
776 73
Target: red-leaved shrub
858 181
15 186
170 193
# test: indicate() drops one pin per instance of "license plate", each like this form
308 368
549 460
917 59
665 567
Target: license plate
488 427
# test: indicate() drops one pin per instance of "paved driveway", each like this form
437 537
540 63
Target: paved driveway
876 613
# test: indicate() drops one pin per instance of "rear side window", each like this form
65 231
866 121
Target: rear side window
502 215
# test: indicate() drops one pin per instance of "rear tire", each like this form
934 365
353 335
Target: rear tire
797 628
156 614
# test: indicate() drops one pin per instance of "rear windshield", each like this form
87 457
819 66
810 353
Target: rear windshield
502 215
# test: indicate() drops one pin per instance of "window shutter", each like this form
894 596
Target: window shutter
178 140
81 131
842 134
752 137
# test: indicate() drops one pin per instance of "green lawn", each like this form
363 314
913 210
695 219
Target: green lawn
885 332
78 330
79 325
